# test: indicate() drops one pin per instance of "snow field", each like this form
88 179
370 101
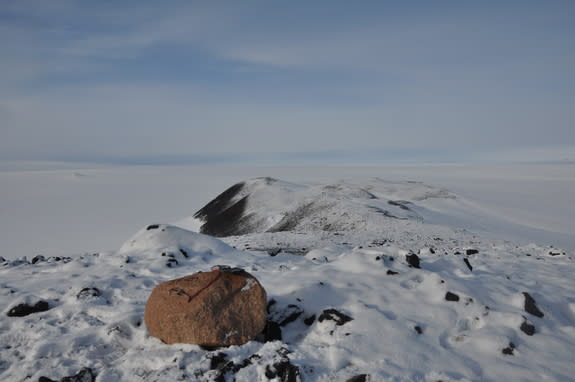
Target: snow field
402 329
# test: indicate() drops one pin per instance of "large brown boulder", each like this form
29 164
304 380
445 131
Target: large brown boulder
219 308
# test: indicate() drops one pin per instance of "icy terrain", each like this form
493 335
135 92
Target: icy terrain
369 279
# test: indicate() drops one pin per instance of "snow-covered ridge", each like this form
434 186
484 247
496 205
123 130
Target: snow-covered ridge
271 205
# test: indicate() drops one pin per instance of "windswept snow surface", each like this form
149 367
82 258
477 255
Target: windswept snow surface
428 300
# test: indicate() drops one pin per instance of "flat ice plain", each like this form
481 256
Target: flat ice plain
465 313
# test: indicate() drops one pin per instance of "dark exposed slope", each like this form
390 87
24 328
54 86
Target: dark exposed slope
223 214
227 214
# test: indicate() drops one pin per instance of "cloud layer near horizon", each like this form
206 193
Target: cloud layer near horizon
92 79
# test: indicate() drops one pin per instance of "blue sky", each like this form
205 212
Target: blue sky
271 81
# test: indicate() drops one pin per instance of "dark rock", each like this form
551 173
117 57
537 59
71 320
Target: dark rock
274 251
432 250
471 252
283 371
270 304
84 375
466 261
334 315
309 320
412 260
152 226
38 259
272 331
2 260
287 315
418 329
171 262
88 292
22 310
509 349
58 258
527 328
184 253
451 296
390 272
218 361
359 378
531 307
400 203
245 363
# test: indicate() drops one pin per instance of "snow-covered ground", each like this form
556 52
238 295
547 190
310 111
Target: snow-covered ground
488 300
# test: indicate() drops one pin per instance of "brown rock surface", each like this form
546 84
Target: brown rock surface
219 308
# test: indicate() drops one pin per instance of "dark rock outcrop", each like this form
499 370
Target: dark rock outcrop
509 349
527 328
334 315
449 296
359 378
286 315
466 261
86 293
309 320
272 331
22 310
531 307
84 375
283 371
413 260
